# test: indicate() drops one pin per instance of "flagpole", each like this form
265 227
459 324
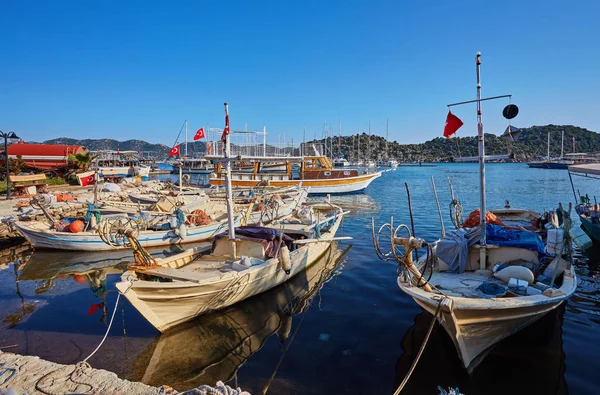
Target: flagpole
481 144
228 187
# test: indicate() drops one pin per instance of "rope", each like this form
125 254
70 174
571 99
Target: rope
416 361
12 371
107 330
456 212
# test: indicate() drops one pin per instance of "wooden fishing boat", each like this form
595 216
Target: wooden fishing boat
184 286
154 231
462 280
316 172
216 345
588 212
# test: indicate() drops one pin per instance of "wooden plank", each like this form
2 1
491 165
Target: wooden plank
33 177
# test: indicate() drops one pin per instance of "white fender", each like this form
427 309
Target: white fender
182 230
284 257
518 272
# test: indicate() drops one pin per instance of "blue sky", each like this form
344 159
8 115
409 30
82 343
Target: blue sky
137 69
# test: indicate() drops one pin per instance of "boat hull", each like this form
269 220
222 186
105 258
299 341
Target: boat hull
324 186
475 325
590 228
88 241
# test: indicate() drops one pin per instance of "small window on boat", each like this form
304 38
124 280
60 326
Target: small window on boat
281 178
327 173
346 173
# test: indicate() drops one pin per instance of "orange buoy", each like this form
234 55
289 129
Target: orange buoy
76 226
80 278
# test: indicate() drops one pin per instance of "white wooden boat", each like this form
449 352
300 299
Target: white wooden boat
190 285
156 231
474 323
455 282
216 345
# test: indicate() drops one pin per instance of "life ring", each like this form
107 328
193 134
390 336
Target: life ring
186 178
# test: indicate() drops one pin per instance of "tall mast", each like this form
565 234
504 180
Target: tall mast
562 145
573 144
265 140
481 144
369 143
186 137
304 144
230 214
387 125
358 145
548 149
340 137
331 141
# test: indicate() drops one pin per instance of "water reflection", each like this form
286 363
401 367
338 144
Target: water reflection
215 346
533 359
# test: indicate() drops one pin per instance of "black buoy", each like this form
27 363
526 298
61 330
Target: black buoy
510 111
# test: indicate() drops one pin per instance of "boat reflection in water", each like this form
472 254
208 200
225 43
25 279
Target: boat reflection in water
215 346
532 361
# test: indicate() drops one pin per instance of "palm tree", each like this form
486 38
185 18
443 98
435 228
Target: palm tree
82 161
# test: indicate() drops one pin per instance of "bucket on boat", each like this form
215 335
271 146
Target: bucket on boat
581 239
517 286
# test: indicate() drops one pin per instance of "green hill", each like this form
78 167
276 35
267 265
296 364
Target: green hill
532 143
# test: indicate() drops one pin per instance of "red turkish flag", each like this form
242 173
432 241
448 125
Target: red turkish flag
174 151
86 179
199 134
226 130
453 123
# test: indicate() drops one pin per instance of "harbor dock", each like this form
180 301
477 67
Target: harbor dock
32 375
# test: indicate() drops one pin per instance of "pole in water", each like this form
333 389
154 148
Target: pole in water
438 206
412 222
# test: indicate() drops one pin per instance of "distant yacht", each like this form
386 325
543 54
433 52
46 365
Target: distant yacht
340 162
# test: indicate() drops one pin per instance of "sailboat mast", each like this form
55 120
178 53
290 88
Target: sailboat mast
548 149
387 125
340 137
230 220
481 144
562 145
369 143
358 144
186 137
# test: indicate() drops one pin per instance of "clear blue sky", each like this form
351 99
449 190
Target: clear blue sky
137 69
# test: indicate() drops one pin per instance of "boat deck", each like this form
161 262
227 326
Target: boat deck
464 284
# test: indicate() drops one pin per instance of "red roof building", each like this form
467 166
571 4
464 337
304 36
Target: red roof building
45 156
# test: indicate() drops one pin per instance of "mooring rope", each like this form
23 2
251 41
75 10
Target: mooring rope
79 365
416 361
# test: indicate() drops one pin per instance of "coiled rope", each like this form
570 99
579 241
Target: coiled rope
456 212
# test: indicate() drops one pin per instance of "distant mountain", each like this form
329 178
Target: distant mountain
531 143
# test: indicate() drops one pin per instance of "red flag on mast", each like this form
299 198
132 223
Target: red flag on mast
453 123
174 151
199 134
226 130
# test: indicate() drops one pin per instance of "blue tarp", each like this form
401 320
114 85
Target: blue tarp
500 236
454 247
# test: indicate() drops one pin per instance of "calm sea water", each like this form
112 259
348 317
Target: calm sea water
342 327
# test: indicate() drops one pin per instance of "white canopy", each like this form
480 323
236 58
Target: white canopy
590 168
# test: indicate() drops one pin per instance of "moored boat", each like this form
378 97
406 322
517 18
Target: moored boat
485 283
316 172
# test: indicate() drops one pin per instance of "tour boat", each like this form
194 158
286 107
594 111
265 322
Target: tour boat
316 172
587 210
